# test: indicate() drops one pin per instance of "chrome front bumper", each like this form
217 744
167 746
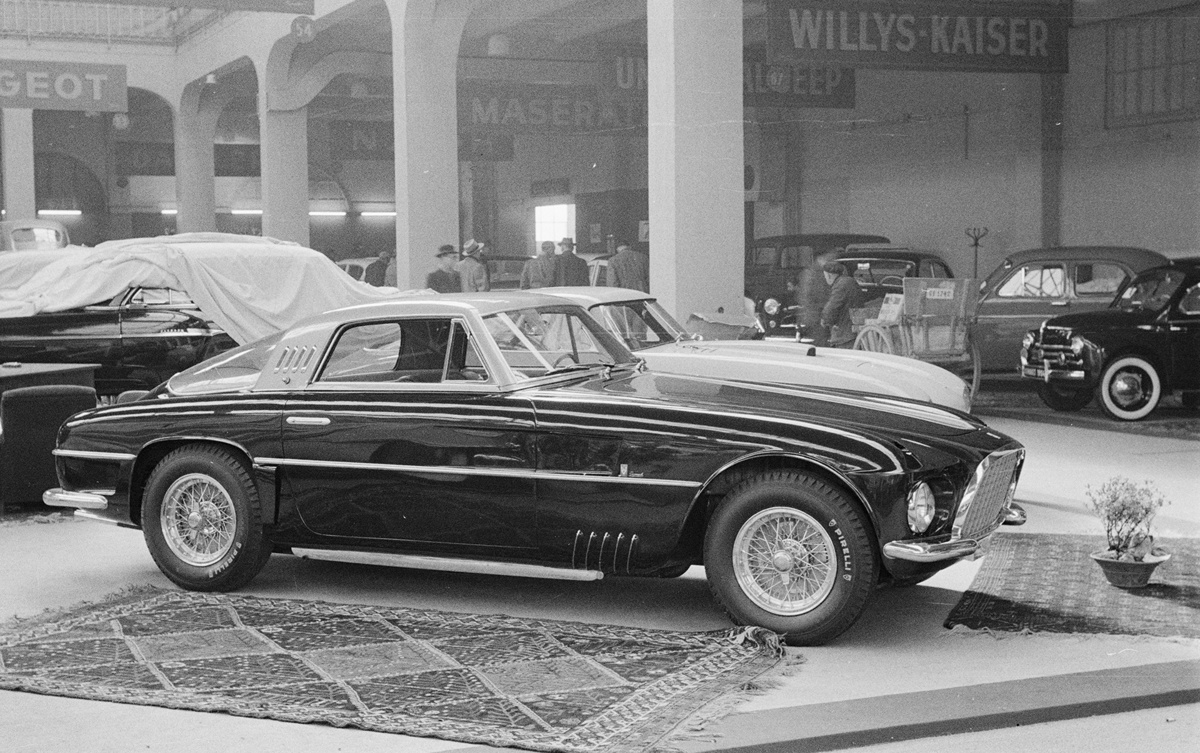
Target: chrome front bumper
936 551
80 500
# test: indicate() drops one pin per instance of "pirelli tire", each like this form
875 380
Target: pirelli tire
787 551
202 520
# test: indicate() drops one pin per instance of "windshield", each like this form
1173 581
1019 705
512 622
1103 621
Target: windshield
232 371
875 271
551 339
1150 291
639 324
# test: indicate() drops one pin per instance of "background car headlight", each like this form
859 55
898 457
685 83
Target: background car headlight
921 507
1029 339
1078 344
771 306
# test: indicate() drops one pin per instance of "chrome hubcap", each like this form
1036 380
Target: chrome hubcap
1127 390
198 520
784 561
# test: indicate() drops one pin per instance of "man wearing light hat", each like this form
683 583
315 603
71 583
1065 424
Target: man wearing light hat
444 279
572 270
472 269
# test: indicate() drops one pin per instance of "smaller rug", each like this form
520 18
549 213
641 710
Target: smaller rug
1048 583
491 679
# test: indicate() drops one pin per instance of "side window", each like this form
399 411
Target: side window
761 257
934 268
1035 281
411 350
1190 303
1098 279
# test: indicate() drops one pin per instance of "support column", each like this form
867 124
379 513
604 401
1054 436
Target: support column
425 40
195 184
16 140
284 157
697 214
1052 158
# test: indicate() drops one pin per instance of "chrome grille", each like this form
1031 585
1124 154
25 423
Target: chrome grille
1056 337
983 503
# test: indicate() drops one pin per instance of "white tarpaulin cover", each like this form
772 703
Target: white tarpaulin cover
249 286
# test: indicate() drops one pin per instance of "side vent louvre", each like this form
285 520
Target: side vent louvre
606 551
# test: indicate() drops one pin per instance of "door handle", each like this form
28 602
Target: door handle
307 421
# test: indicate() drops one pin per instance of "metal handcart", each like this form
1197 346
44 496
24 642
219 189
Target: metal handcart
933 322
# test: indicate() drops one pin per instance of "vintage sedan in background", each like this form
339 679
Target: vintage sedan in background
653 334
1031 286
511 434
1145 346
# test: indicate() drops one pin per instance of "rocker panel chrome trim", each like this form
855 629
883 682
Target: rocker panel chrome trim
449 564
476 471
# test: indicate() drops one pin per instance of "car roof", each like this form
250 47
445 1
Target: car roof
1139 257
905 254
808 239
437 304
587 295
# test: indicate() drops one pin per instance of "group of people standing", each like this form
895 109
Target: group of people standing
556 265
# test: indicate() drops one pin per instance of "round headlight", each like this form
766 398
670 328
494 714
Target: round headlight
921 507
1029 339
1077 344
771 306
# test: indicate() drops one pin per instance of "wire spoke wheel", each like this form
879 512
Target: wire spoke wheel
784 561
198 519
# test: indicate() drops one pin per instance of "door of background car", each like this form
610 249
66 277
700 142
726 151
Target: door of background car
88 335
1035 291
1184 324
403 438
162 332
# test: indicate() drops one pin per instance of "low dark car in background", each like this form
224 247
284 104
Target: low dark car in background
880 269
139 338
1031 286
774 260
1145 346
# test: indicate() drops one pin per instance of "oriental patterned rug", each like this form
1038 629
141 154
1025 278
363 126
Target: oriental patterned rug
496 680
1048 583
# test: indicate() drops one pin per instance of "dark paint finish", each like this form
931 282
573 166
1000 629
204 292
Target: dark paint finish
1167 336
137 345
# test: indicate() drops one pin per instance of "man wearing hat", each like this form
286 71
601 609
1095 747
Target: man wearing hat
444 279
472 270
844 294
572 270
376 272
540 271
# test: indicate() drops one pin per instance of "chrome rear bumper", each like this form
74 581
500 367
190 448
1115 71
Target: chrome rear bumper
81 500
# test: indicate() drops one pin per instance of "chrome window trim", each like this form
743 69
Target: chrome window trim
453 470
94 454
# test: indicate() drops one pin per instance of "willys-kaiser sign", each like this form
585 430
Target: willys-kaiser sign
1016 36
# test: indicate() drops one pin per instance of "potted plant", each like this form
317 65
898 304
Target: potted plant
1127 509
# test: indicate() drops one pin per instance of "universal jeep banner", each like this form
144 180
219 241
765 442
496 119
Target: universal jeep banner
1022 36
42 85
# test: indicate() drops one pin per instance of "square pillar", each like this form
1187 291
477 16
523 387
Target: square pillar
284 157
697 161
16 141
195 183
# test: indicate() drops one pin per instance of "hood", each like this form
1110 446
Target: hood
789 363
786 410
1104 319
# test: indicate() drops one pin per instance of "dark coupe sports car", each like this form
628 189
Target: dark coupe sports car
509 433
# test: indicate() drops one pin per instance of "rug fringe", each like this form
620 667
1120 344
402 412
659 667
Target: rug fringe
128 594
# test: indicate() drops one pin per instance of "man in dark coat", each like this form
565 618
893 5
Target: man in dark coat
572 270
444 279
628 268
541 270
844 295
376 273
